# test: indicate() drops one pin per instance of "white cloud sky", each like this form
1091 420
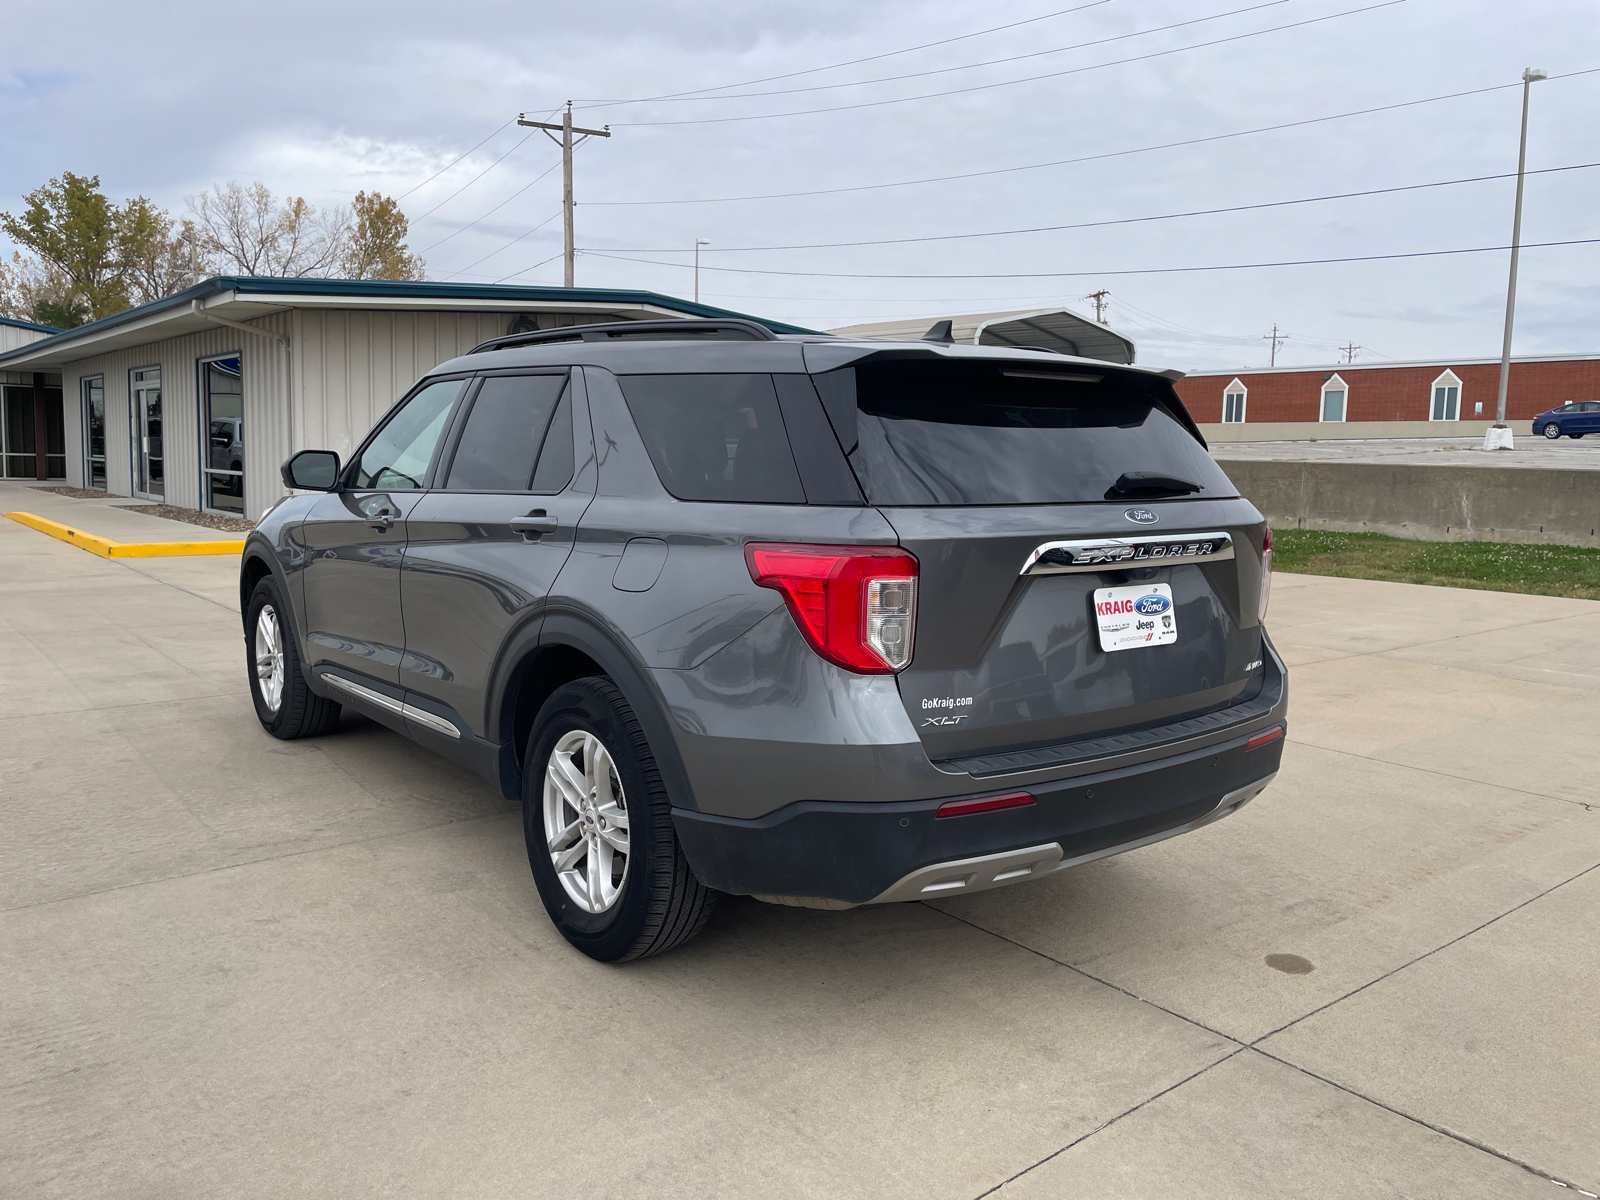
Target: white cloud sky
325 100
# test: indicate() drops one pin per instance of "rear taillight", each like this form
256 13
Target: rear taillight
1266 575
966 808
856 605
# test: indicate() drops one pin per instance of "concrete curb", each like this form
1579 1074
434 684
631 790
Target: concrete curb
106 548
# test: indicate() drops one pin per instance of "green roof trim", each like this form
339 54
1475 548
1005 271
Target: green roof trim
16 324
265 287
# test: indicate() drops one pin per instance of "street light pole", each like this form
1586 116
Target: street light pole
698 242
1498 437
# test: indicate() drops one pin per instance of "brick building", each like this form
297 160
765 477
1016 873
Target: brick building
1454 391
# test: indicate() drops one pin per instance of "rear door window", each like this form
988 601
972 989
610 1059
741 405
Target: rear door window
938 432
505 430
715 437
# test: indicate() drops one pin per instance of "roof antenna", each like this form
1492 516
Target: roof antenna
941 332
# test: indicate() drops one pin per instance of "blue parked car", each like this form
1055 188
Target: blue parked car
1574 420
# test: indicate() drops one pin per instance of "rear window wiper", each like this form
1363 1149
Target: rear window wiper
1146 484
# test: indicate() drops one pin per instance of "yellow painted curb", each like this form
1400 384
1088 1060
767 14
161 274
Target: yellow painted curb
106 548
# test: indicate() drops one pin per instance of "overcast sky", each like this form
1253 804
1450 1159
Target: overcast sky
323 100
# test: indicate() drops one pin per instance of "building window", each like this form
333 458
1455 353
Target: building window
1446 398
19 435
1233 398
94 431
149 461
1335 394
222 415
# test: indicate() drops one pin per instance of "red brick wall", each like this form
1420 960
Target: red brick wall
1396 393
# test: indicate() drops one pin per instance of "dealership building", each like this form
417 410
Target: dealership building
195 399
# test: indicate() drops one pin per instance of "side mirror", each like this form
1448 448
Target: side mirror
311 471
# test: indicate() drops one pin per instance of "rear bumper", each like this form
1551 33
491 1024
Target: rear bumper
864 853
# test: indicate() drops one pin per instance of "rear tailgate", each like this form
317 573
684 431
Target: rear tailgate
1005 660
1024 487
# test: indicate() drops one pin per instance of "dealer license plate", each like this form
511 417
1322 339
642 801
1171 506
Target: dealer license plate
1135 616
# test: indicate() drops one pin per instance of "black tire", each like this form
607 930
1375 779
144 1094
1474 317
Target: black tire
300 711
1574 436
661 904
1551 430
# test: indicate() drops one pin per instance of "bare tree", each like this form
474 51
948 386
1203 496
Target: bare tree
246 231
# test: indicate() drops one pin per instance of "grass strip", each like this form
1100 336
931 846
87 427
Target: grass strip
1489 566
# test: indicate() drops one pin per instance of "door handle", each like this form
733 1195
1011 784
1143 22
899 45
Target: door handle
382 521
534 525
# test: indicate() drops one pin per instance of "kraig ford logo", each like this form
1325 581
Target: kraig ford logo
1141 516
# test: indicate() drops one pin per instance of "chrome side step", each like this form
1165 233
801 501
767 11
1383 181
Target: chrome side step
389 704
962 876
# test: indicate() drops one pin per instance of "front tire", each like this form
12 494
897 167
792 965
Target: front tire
285 705
1551 430
598 824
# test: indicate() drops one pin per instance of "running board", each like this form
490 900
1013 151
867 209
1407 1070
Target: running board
389 704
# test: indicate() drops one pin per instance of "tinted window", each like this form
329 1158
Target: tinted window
398 458
715 437
556 459
946 433
504 431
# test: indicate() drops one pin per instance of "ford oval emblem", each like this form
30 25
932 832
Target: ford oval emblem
1151 605
1142 516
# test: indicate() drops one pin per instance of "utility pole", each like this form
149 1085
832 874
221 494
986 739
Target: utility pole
1498 437
566 143
698 242
1349 352
1099 299
1274 337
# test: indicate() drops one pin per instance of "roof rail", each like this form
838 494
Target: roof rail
725 329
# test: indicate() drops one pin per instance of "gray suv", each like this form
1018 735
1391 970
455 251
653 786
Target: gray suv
824 621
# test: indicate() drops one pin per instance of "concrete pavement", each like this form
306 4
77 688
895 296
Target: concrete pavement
235 966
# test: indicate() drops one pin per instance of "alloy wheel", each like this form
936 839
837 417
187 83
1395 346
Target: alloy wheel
269 658
586 821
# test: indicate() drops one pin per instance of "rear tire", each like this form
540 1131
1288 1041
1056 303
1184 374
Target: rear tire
1551 431
622 888
1574 436
285 705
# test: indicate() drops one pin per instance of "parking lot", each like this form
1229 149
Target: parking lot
236 966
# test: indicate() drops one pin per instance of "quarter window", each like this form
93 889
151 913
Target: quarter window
398 458
1233 398
715 437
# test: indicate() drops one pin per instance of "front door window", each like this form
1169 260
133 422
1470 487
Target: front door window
222 410
94 432
149 475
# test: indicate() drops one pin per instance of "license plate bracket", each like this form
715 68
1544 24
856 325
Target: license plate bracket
1136 616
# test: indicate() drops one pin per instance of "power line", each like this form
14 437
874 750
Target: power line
1067 162
496 209
854 62
450 164
535 267
1199 212
980 87
520 143
993 62
501 249
1302 262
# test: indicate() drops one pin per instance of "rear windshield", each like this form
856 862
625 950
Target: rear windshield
939 432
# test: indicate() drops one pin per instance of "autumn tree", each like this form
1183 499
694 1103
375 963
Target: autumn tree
377 245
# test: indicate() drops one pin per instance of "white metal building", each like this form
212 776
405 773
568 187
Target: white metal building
195 399
1058 329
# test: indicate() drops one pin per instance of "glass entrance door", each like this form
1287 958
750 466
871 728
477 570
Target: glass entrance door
149 476
223 414
94 433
